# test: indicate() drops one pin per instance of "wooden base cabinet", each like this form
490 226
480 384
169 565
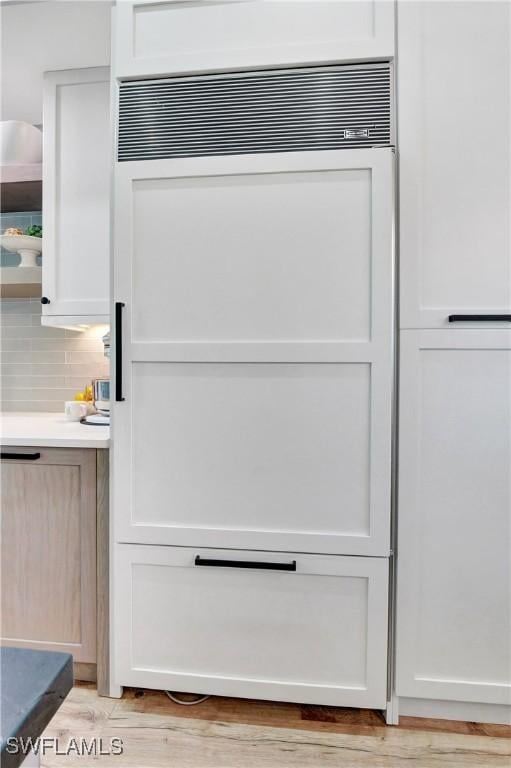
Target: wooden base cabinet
454 549
282 626
54 501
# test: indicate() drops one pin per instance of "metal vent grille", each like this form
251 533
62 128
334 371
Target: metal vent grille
285 110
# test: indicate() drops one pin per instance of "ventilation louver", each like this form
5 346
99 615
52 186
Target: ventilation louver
287 110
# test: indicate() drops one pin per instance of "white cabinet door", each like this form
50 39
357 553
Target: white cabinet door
315 634
454 110
257 351
76 196
454 553
159 37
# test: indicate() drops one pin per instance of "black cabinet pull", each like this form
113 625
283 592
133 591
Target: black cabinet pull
479 318
45 300
24 456
258 564
118 351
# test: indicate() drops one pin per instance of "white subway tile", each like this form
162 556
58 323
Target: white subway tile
17 307
83 370
42 406
69 345
16 369
16 345
83 357
49 369
8 332
13 382
16 320
42 393
47 356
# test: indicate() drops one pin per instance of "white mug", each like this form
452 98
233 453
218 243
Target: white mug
75 410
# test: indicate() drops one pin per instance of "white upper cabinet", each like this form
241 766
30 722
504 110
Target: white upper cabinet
166 36
454 126
76 196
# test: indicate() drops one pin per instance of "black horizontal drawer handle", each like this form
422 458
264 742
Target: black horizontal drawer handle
25 456
266 566
480 318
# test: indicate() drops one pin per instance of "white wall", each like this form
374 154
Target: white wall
40 36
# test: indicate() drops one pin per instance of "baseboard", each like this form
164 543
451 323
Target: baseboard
500 714
84 672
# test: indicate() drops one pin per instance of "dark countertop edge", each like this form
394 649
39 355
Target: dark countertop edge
39 716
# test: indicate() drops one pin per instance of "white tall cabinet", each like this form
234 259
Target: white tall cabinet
453 654
253 427
256 421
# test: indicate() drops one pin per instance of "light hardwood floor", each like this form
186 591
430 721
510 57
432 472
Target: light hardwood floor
231 733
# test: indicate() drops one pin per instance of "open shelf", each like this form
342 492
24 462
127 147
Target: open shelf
20 282
21 188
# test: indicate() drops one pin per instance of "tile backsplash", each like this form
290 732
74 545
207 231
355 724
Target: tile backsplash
22 220
42 367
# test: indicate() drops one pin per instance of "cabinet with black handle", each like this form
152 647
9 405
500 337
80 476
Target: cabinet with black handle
453 596
454 199
54 513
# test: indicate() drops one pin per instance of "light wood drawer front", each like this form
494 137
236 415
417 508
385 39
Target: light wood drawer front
315 635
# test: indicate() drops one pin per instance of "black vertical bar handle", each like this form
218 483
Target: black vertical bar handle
118 351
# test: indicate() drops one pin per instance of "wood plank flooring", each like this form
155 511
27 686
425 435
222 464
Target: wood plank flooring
234 733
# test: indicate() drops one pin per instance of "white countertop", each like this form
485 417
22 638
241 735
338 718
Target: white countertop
50 430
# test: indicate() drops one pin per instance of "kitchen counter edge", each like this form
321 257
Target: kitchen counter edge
49 430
